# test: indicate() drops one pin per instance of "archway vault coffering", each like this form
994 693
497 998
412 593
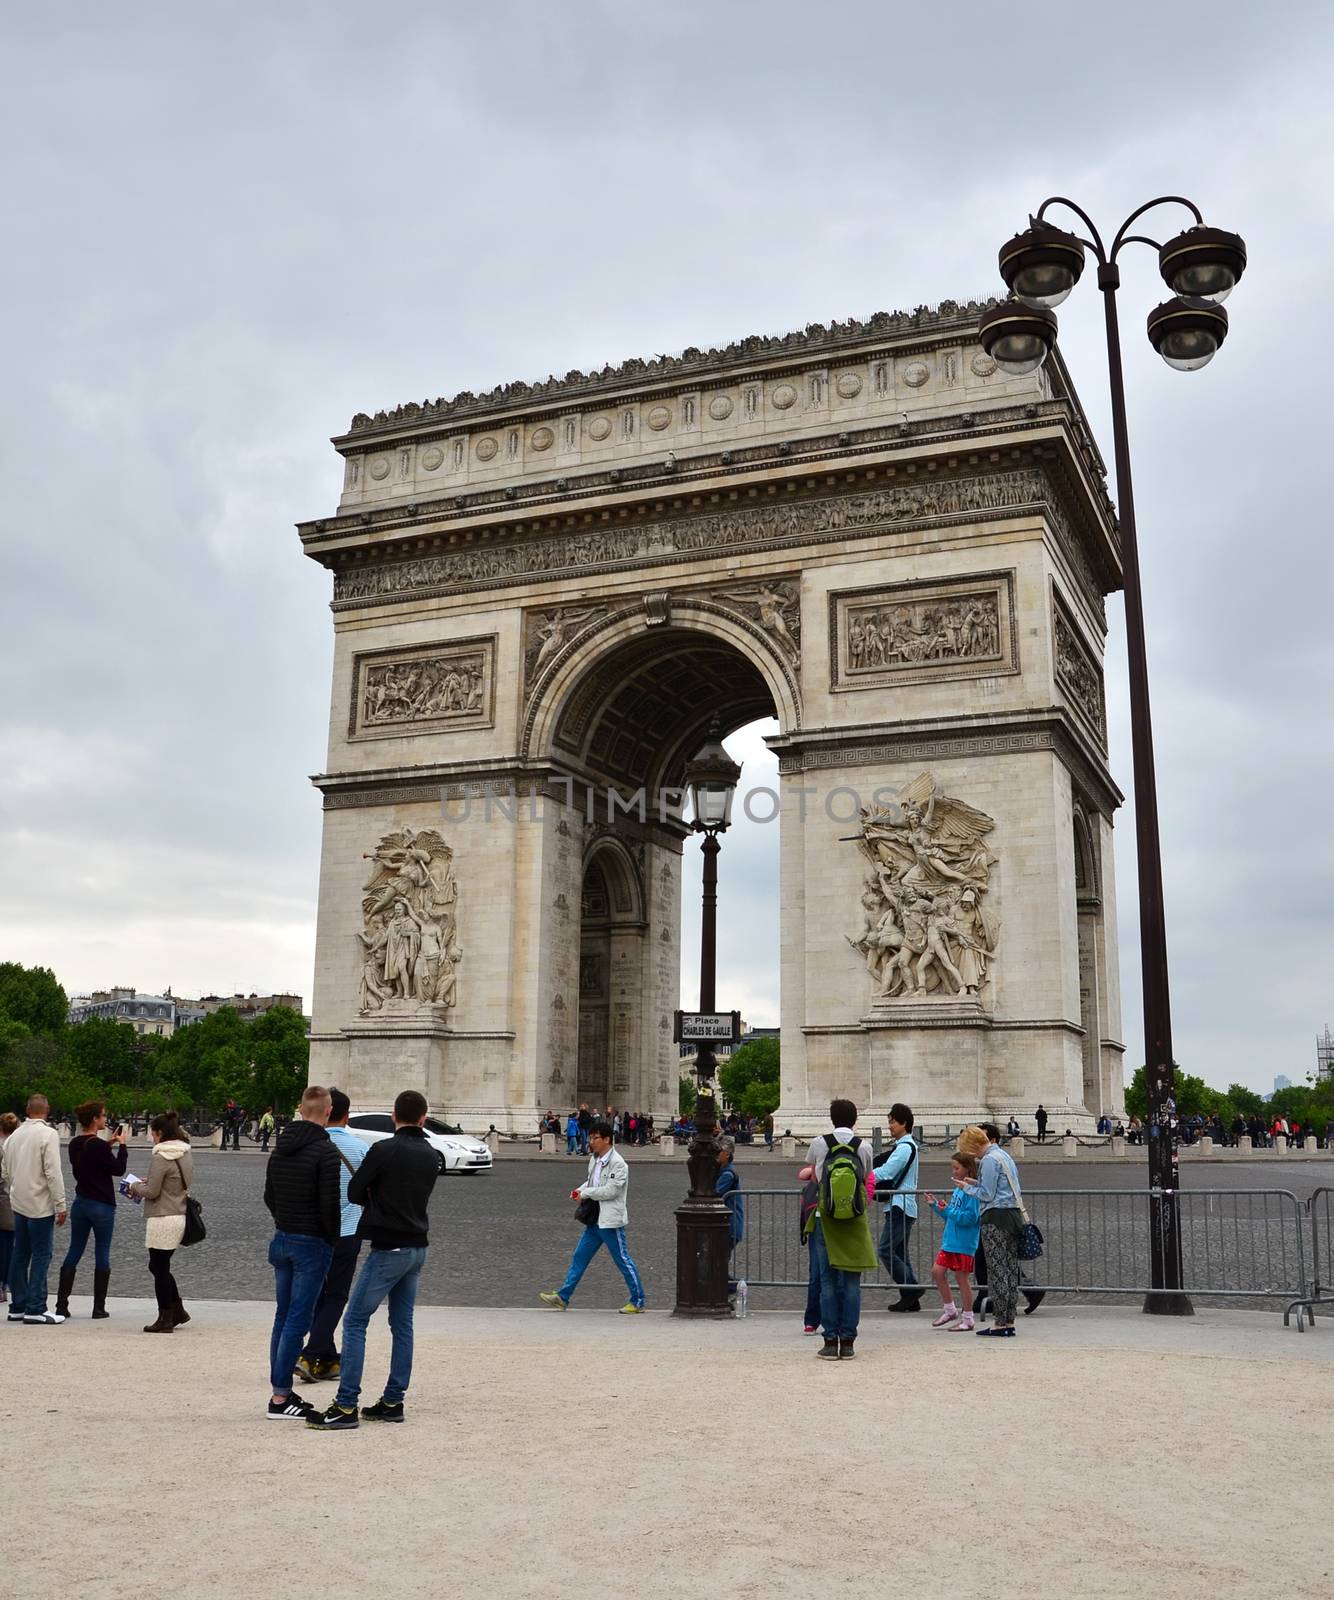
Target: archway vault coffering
630 702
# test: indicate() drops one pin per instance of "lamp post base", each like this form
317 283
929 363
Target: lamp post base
1168 1303
703 1249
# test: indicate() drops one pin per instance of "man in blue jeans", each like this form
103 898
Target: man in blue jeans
393 1186
608 1184
31 1165
301 1190
898 1172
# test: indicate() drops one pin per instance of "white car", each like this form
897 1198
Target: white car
458 1151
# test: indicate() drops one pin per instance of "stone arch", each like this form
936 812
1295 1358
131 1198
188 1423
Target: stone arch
630 700
1086 859
610 856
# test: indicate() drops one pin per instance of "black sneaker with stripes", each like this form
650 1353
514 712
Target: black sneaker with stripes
296 1410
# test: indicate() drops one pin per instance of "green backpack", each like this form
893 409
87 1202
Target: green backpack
843 1185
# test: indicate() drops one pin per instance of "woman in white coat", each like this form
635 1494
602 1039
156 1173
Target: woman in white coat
163 1193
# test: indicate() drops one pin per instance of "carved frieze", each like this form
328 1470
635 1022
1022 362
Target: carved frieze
917 632
741 527
426 690
774 605
409 939
546 632
1078 674
927 927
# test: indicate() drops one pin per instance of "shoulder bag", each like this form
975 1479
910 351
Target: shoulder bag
1030 1238
195 1231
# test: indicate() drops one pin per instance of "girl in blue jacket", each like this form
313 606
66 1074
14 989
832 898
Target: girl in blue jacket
958 1246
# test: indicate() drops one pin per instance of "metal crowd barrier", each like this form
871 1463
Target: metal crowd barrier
1236 1244
1321 1288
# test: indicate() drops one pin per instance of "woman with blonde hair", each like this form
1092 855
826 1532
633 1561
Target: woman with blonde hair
997 1193
163 1193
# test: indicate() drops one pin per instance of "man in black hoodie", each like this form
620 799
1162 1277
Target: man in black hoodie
393 1186
301 1189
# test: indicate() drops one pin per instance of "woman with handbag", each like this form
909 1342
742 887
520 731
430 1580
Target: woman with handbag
998 1195
164 1193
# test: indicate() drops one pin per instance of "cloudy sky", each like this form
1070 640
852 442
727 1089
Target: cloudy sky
232 226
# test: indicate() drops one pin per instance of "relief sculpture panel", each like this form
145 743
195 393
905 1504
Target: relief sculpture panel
928 927
427 690
915 632
409 937
1078 675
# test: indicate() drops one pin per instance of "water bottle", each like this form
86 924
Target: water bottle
743 1299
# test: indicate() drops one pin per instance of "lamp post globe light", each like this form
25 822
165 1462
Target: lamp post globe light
1201 265
703 1222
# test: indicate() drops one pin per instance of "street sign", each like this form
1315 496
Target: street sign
708 1027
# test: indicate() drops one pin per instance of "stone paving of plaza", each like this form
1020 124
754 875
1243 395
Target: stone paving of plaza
1101 1453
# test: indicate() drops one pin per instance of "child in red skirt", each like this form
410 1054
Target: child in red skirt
958 1246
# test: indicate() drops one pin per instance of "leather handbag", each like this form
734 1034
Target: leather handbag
586 1213
195 1231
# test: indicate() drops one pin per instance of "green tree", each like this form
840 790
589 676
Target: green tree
750 1078
280 1054
686 1095
32 996
1247 1101
103 1050
13 1090
195 1057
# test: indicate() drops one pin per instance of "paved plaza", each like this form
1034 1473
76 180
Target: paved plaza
1102 1453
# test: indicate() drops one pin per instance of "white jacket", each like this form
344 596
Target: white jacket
613 1211
32 1172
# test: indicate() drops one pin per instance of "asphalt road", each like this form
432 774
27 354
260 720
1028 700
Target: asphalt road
498 1238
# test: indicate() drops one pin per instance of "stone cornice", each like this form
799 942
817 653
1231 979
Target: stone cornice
815 342
903 501
551 499
931 739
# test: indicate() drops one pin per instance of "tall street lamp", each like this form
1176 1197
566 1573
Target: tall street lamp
1201 266
703 1222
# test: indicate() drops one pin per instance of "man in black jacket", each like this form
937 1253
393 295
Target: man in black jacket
393 1185
301 1190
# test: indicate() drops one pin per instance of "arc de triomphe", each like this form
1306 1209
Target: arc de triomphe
544 596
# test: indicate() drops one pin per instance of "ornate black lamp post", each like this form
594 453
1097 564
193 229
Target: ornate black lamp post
1201 266
703 1223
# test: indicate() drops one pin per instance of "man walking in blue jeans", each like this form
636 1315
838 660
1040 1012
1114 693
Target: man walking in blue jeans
899 1171
393 1186
301 1190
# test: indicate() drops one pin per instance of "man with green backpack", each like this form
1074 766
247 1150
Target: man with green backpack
839 1229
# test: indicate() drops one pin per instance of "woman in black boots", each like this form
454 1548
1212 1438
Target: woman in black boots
97 1162
163 1193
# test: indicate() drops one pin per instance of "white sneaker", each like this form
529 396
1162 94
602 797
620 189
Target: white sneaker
50 1319
948 1315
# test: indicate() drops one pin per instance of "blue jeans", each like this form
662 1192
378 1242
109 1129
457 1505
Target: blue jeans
571 1143
392 1273
893 1251
6 1253
299 1263
590 1242
840 1293
812 1317
85 1217
34 1238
